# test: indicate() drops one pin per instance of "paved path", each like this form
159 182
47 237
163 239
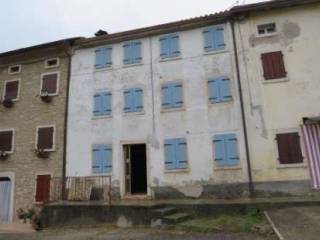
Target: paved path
297 223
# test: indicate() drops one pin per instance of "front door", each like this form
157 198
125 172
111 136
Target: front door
5 198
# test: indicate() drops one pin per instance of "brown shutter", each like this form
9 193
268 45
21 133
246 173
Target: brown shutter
289 148
273 65
45 138
49 83
6 141
43 188
11 90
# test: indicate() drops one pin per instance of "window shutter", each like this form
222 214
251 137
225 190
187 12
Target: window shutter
106 153
218 36
181 162
208 39
49 83
177 95
169 149
127 101
164 46
43 188
137 52
103 57
127 53
138 106
295 147
6 141
225 89
45 138
232 149
220 151
11 90
214 90
273 65
289 148
106 103
108 57
98 106
174 45
166 96
97 159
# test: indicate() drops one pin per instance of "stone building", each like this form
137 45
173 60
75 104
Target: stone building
33 84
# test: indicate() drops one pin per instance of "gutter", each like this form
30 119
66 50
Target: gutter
243 116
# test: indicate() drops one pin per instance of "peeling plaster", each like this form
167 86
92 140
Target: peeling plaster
194 191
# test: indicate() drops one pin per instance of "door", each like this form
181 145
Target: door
5 199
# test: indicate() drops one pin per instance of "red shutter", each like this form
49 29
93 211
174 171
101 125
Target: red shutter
49 83
45 138
273 65
11 91
289 148
43 188
6 141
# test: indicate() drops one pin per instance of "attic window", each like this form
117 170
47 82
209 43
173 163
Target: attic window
14 69
268 28
52 62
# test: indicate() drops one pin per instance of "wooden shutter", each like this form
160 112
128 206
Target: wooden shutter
138 99
106 158
273 65
98 108
214 90
49 83
127 101
225 92
6 141
45 138
220 150
180 149
169 151
166 96
97 159
164 46
289 148
177 95
174 45
43 188
11 91
231 149
103 58
106 103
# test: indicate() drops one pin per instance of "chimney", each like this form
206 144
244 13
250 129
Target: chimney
100 33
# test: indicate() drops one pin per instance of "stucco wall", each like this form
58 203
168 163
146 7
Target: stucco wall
273 107
198 121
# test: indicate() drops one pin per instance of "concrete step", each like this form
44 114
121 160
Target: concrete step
164 211
176 218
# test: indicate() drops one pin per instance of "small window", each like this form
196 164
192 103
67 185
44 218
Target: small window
133 100
172 95
45 138
214 39
169 46
103 58
52 62
175 153
273 65
6 141
14 69
102 104
265 29
219 90
132 52
11 90
49 84
102 158
43 188
289 148
226 150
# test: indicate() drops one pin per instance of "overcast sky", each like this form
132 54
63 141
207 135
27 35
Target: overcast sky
29 22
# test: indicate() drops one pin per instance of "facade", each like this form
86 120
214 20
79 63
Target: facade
278 52
158 110
33 83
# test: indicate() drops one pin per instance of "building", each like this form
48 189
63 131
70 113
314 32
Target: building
278 53
158 109
33 83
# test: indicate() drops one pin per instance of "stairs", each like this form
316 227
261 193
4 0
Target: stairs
170 215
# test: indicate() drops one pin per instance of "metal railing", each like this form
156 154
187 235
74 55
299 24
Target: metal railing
93 188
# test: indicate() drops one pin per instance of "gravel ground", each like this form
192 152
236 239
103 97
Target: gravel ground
107 233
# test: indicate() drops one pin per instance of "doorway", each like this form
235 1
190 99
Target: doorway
136 169
5 199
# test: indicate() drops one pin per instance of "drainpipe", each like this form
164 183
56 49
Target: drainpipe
243 116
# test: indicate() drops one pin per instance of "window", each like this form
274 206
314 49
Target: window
214 39
172 95
103 58
169 46
102 158
226 150
219 90
133 100
14 69
43 188
289 148
265 29
102 104
132 52
175 153
11 90
45 138
51 63
49 84
6 141
273 65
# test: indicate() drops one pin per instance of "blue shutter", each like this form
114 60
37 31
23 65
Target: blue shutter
106 154
208 39
107 109
169 150
127 101
231 149
165 47
103 58
177 95
180 147
218 38
214 90
97 159
136 46
138 95
166 96
220 150
225 93
127 53
98 108
174 45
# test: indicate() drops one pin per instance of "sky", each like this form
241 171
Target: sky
29 22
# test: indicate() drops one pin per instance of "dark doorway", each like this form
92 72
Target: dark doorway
136 169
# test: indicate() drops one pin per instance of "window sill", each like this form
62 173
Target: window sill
101 117
220 103
166 110
50 95
132 65
101 174
266 35
103 69
293 165
167 59
213 52
223 168
133 113
186 170
50 67
277 80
